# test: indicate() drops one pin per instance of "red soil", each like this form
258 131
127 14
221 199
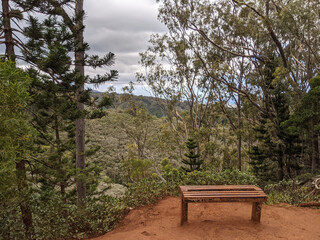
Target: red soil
217 221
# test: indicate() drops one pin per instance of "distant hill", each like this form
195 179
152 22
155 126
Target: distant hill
152 104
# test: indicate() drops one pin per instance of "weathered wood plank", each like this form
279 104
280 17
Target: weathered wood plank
223 192
191 187
226 199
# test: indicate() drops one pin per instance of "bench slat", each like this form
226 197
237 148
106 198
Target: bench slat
222 192
220 188
227 199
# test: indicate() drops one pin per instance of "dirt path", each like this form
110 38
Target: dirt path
217 221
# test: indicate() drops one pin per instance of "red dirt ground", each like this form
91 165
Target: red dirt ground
217 221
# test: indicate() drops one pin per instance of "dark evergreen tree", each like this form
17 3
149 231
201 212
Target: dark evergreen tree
50 44
192 159
276 146
306 122
260 166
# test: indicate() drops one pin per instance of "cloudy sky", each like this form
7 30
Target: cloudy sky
124 28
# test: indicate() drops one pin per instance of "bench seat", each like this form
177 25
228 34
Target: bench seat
222 193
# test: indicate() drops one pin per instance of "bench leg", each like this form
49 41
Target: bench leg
184 211
256 211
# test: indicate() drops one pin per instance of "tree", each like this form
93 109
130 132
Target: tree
192 158
180 82
254 31
12 40
16 142
306 122
275 143
44 49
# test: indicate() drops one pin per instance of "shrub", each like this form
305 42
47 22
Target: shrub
287 192
226 177
146 191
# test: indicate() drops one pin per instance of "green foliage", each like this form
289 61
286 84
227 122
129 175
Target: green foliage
54 218
137 169
14 128
260 166
16 138
277 151
151 190
286 192
192 159
146 191
226 177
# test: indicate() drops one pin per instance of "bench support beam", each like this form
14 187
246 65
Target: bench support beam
256 211
184 211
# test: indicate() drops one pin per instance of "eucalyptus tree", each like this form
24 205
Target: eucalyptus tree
174 74
253 30
220 33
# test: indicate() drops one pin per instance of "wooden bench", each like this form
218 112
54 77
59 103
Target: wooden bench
222 193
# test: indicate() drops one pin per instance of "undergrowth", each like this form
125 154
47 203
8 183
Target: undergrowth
58 218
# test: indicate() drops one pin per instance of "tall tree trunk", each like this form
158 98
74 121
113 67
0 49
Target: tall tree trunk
10 54
316 149
280 164
25 208
80 122
61 172
239 128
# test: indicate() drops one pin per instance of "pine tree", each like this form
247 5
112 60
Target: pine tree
306 122
50 45
261 167
192 159
276 146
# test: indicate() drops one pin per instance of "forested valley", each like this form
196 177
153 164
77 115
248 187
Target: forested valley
236 100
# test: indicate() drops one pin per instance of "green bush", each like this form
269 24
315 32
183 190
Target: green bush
226 177
235 177
146 191
286 192
54 218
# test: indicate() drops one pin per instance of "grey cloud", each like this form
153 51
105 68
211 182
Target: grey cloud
126 15
117 41
124 28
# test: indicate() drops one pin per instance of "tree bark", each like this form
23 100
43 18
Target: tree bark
316 148
280 164
80 122
10 54
315 151
239 126
25 208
